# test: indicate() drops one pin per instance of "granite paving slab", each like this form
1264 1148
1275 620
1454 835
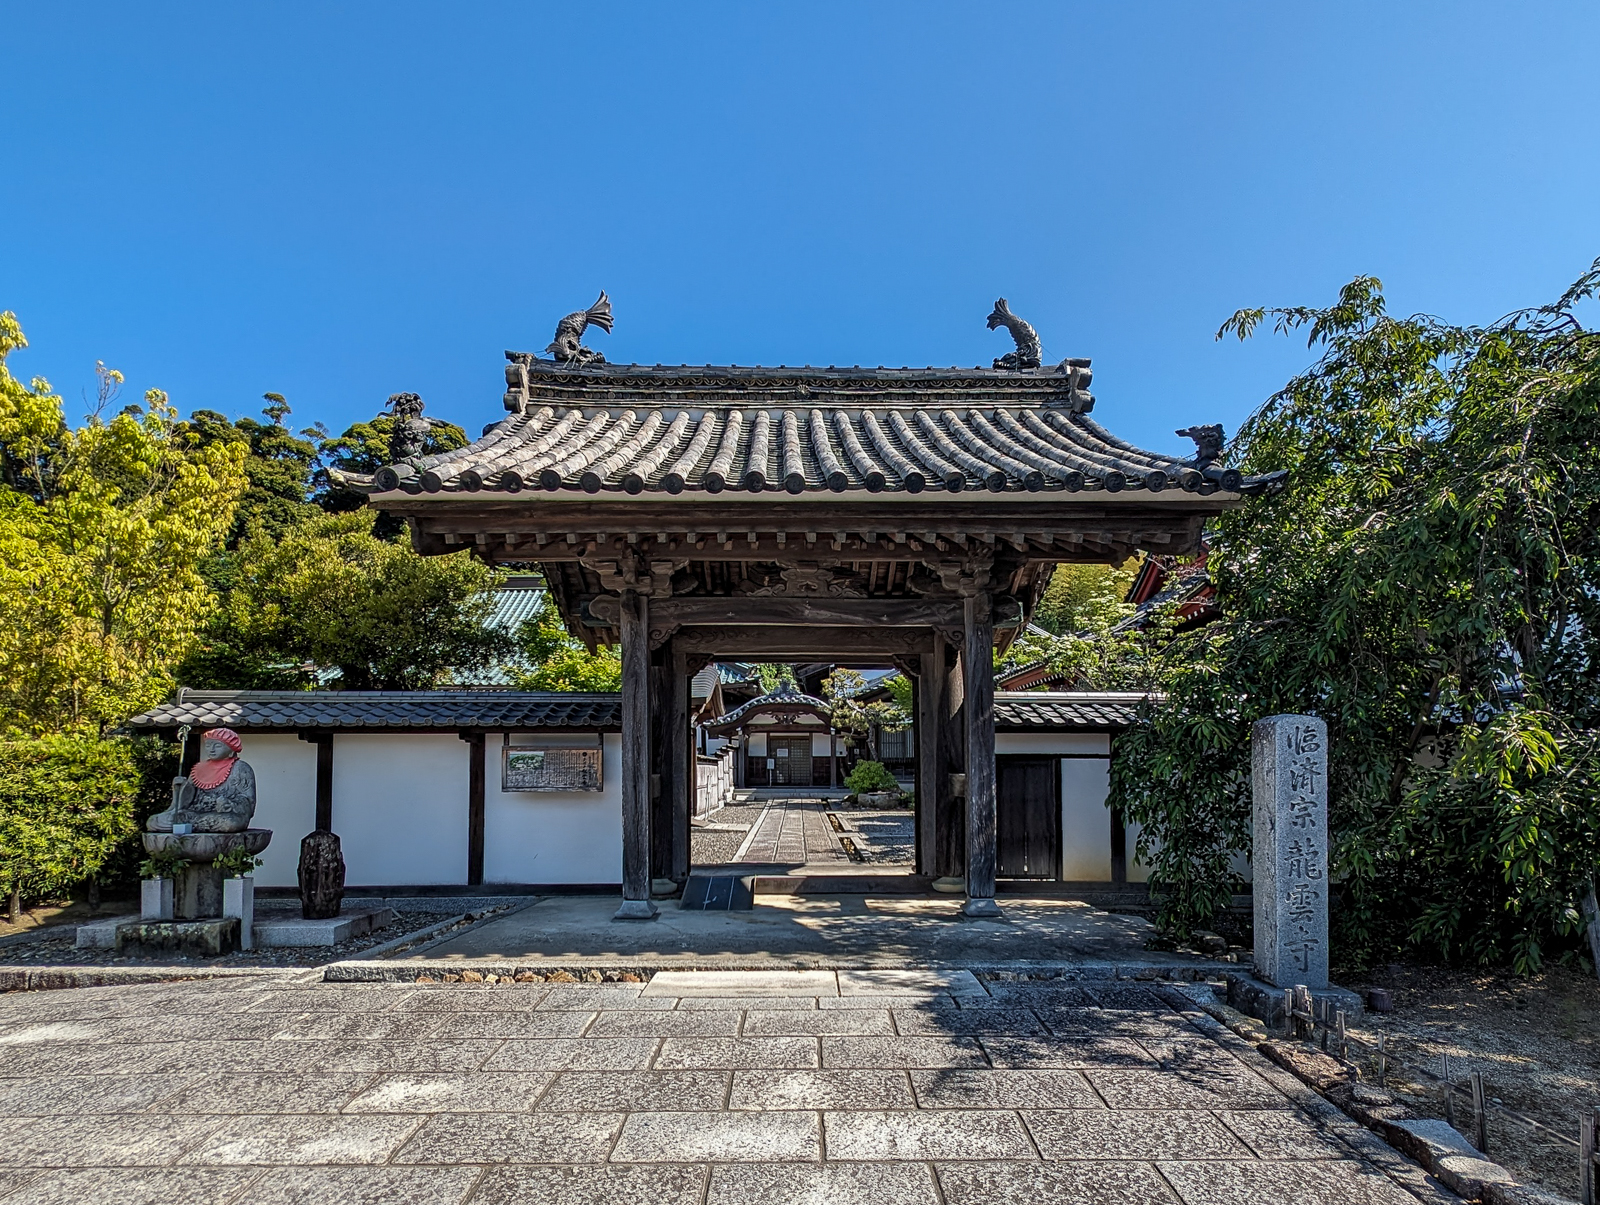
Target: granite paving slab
131 1186
1128 1088
512 1138
1131 1134
1246 1183
822 1184
697 1024
902 1052
292 1139
225 1093
649 1091
109 1140
725 983
574 1054
566 1024
661 1184
834 1023
482 1092
899 981
927 1134
361 1186
1039 1089
363 1026
453 999
42 1096
1069 1051
1109 1183
733 1053
721 1137
853 1089
966 1021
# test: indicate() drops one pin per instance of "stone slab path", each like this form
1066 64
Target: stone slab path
700 1088
793 832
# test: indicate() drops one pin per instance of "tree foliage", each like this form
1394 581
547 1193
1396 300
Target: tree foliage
1427 584
330 594
849 712
103 529
556 661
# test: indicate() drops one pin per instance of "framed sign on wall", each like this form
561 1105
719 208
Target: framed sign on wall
550 767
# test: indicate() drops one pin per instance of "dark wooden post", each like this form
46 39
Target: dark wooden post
475 785
949 823
979 704
1119 849
324 782
679 788
925 730
833 759
635 625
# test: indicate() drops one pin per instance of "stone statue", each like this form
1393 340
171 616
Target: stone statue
1207 442
218 795
568 346
1028 351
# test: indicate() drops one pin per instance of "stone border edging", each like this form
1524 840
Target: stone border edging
1477 1179
52 978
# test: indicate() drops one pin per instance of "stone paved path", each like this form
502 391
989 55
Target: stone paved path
717 1088
796 833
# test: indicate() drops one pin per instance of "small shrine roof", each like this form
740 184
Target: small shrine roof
786 697
379 710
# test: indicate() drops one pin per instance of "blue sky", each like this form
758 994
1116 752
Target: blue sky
338 202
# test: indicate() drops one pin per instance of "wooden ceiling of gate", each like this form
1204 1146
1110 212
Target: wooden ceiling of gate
747 496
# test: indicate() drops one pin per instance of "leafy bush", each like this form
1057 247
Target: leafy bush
870 776
66 803
237 861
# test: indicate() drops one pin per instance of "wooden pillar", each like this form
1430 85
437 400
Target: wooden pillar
739 755
475 779
324 782
925 730
833 758
978 703
679 787
661 763
949 822
1119 849
635 625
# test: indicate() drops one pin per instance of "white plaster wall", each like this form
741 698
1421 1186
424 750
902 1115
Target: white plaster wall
400 808
819 744
552 836
286 801
758 744
1085 820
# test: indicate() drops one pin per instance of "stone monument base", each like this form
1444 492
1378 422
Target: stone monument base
1266 1003
193 939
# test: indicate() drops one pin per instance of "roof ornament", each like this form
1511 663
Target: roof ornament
1207 442
568 347
1028 353
409 436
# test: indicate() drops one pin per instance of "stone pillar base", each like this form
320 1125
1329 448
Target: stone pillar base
981 907
636 910
195 939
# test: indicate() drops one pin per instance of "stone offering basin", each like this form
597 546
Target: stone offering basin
197 893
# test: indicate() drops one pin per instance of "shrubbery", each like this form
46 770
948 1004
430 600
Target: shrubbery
870 776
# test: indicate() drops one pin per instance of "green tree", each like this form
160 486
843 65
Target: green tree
331 595
66 804
1427 584
278 463
556 661
866 718
102 531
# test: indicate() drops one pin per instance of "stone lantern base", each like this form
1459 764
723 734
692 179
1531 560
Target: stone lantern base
197 893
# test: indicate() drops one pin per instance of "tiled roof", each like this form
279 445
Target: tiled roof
1097 710
631 429
358 710
514 602
785 696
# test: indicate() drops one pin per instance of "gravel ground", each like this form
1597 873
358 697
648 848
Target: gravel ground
1535 1039
889 838
715 847
60 951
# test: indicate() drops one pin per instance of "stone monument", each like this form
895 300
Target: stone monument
210 816
1289 860
321 876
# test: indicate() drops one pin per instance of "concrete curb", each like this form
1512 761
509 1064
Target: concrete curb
1452 1168
373 968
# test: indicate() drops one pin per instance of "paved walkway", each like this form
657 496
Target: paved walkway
793 832
812 930
773 1088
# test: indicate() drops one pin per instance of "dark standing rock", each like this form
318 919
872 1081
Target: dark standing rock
1379 1000
321 876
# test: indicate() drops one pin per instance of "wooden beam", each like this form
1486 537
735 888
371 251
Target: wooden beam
323 740
635 621
786 643
782 611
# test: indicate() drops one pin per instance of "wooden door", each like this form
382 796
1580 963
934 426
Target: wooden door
791 760
1028 817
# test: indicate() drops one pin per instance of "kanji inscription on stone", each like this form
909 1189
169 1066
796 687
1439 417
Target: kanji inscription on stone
1289 861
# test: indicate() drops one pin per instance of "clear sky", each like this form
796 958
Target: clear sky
341 201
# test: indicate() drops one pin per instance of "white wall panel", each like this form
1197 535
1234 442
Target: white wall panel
1085 820
400 808
1053 742
553 836
286 801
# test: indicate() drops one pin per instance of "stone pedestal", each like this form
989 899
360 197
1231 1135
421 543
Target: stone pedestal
321 876
1289 860
239 900
190 939
197 893
155 899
